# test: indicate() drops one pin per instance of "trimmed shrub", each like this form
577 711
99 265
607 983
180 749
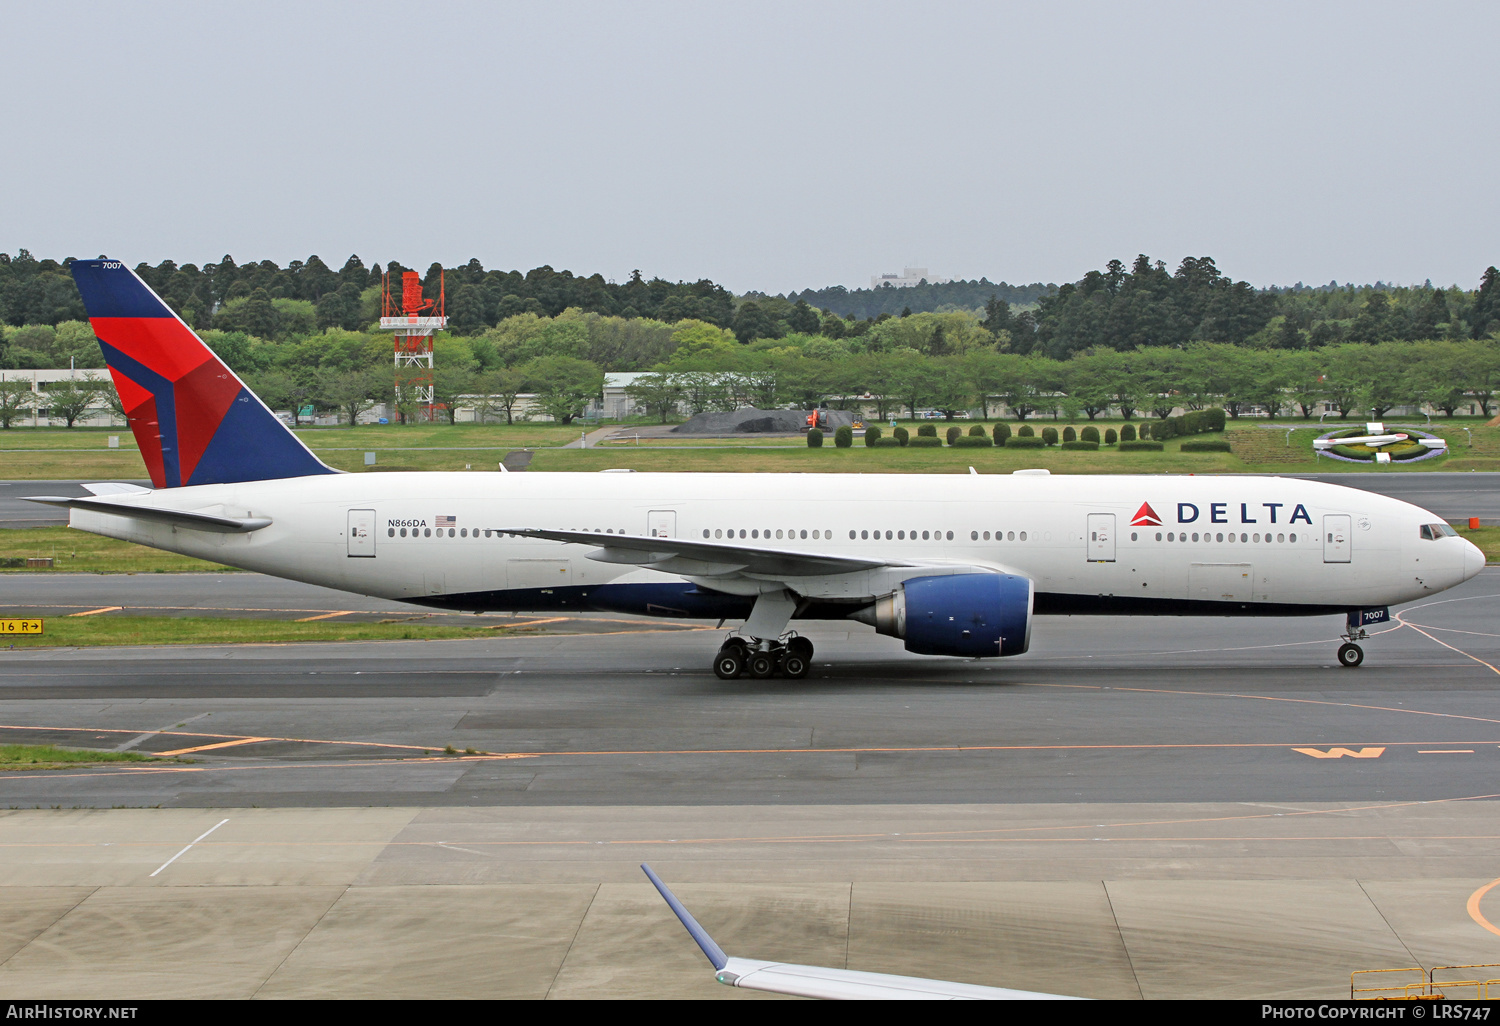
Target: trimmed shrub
1025 431
927 430
900 434
1213 419
1089 434
1049 436
1408 454
1206 445
978 430
814 438
872 436
1085 446
843 437
972 442
1069 435
925 442
1110 438
888 443
1140 447
1127 433
1353 452
1023 442
1001 433
954 432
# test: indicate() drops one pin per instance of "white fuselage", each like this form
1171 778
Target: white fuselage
1213 545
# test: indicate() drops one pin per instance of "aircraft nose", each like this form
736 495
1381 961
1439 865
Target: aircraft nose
1473 559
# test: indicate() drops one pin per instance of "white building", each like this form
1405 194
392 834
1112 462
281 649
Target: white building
908 277
40 414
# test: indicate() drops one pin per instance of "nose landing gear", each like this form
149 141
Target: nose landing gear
1350 654
762 658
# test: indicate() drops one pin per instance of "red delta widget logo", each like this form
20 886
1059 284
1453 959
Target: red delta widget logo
1218 513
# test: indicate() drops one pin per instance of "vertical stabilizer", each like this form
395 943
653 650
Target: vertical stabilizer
194 420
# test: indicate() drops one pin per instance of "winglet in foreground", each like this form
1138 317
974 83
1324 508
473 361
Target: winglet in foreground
821 982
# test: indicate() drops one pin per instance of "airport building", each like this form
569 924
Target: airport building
908 277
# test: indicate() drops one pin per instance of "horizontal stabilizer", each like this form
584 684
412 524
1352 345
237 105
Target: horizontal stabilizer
192 520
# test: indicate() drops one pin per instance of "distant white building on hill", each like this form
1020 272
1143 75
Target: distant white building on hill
908 277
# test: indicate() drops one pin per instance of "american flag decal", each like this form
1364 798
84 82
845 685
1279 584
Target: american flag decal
447 521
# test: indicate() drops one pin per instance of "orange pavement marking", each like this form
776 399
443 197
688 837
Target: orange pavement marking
221 744
526 623
1475 914
101 609
325 616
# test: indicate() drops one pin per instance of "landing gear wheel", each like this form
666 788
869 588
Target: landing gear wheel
802 647
729 663
1351 655
794 667
761 665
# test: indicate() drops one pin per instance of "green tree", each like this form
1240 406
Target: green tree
353 391
71 399
657 393
16 397
565 386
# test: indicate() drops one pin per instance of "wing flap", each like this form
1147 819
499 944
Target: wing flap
671 553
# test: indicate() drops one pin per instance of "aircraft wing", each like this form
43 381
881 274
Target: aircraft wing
193 519
706 558
833 984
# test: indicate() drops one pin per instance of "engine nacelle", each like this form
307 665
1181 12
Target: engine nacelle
958 615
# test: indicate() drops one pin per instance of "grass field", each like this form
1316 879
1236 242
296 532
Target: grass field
81 552
87 631
79 454
45 757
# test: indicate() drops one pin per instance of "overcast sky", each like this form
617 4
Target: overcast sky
764 145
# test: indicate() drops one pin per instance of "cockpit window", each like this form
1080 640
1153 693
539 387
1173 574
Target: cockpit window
1431 532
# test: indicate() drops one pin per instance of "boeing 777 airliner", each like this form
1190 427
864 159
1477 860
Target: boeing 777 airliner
953 565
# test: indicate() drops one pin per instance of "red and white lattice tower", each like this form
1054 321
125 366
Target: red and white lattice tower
413 320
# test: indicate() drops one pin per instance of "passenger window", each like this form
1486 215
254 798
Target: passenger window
973 536
950 535
1023 535
851 534
1158 536
390 532
426 532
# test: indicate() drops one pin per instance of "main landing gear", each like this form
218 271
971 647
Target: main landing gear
762 657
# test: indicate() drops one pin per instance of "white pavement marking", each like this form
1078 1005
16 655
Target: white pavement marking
152 733
195 840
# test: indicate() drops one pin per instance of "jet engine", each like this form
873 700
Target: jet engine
958 615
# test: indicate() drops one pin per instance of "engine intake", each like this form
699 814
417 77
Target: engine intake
957 615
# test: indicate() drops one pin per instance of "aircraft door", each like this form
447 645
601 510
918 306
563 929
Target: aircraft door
661 523
361 532
1336 538
1101 538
